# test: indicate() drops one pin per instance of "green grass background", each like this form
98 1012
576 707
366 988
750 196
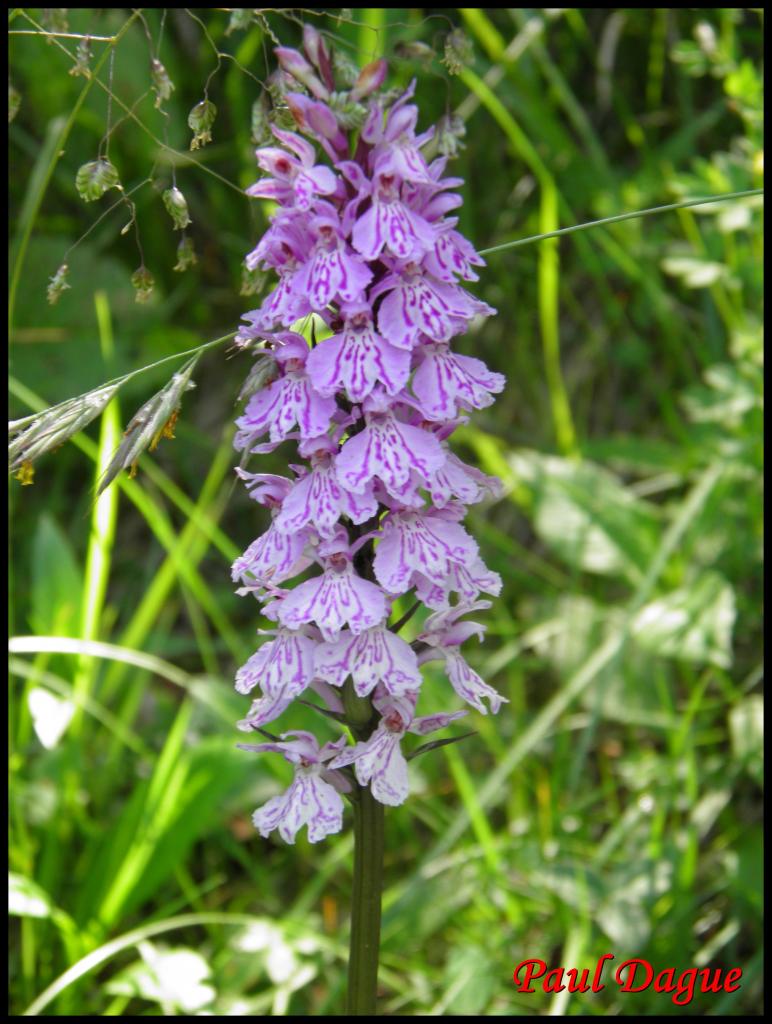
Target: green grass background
614 803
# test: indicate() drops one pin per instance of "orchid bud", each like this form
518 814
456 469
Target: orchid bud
313 44
316 50
316 117
295 64
371 77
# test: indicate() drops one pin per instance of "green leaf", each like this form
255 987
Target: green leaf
746 881
620 899
745 84
726 399
470 981
586 515
694 273
626 914
642 456
95 178
217 775
573 628
169 977
694 623
50 715
14 102
26 898
435 744
691 57
56 580
746 728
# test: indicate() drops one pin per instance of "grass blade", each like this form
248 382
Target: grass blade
102 533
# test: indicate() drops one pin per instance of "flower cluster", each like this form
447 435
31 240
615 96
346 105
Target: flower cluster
363 240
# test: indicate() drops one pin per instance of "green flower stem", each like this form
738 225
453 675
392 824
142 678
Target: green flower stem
365 904
368 872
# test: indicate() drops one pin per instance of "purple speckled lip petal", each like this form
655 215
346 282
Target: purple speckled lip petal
431 723
355 361
318 500
309 801
468 684
389 451
415 543
264 488
264 710
420 304
453 256
281 666
284 304
392 225
283 404
303 749
446 382
332 601
360 507
332 272
274 557
379 763
456 479
467 581
374 656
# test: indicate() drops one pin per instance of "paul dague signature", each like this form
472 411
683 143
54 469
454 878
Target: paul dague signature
630 976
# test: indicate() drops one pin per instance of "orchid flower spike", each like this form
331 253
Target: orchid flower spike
361 237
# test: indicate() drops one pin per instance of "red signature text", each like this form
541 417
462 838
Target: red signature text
630 976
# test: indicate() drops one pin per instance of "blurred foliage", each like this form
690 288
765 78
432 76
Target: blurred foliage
615 803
